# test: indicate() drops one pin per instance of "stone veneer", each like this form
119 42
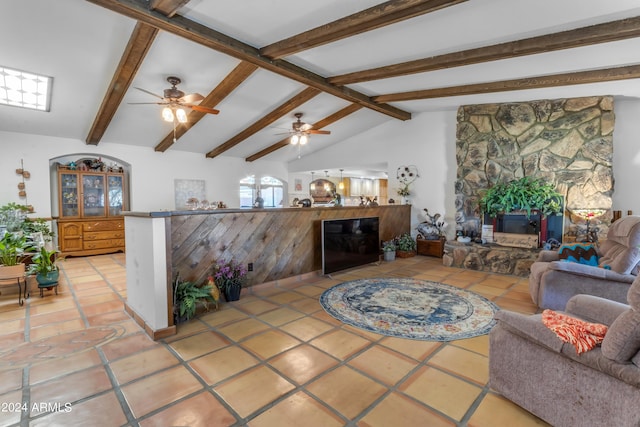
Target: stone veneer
493 258
567 142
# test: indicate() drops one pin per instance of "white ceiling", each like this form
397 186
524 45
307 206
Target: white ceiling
80 45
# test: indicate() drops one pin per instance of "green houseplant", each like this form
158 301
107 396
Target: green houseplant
524 194
186 296
230 276
389 249
43 265
405 246
12 246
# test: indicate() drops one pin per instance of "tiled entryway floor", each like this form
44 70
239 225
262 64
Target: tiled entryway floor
274 358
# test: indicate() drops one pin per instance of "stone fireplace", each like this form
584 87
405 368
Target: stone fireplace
566 142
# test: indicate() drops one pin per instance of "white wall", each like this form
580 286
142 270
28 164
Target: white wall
427 141
152 173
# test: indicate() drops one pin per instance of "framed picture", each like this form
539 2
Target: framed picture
297 184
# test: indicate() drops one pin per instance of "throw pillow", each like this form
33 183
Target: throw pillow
622 341
580 253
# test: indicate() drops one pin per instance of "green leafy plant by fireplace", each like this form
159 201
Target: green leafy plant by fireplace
405 242
525 194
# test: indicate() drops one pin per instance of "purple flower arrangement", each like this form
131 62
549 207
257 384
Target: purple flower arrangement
228 273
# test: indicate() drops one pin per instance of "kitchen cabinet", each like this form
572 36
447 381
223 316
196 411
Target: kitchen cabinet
90 218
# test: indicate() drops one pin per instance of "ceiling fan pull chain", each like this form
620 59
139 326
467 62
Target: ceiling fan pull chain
174 131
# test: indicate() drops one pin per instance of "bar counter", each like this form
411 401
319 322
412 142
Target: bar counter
280 243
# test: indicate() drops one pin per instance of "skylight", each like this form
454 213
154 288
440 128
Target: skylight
24 89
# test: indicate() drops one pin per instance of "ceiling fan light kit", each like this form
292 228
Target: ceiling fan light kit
301 131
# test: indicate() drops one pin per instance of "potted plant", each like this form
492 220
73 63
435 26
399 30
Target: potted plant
43 265
389 250
186 296
405 246
524 194
12 246
230 276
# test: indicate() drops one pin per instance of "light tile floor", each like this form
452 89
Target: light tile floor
274 358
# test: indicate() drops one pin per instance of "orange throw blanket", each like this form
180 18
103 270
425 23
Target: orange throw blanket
582 335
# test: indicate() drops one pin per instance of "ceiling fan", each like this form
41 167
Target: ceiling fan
300 131
176 101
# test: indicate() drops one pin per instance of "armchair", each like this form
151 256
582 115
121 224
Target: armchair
553 282
531 366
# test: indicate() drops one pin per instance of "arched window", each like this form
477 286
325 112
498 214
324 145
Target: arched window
271 190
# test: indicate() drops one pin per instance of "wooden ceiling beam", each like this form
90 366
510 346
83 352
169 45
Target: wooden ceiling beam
265 121
224 89
198 33
351 108
377 16
139 43
585 36
553 80
167 7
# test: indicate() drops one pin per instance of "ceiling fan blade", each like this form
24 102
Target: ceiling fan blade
305 126
155 103
192 98
150 93
319 132
203 109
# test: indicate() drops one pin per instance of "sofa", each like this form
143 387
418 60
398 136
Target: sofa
531 366
553 281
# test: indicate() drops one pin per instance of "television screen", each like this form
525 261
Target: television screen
348 243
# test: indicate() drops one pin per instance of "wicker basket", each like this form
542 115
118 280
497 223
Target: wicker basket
405 254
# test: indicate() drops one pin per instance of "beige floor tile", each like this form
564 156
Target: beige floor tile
307 305
70 388
280 316
9 418
187 329
53 317
307 328
303 363
441 391
223 364
270 343
158 390
285 297
253 389
383 364
298 410
223 316
63 365
202 410
51 330
487 291
140 364
398 410
464 363
242 329
310 291
326 317
199 344
257 307
86 414
495 411
371 336
347 391
418 350
340 343
11 326
128 345
478 344
11 380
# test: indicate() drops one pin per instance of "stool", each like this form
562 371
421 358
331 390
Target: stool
19 280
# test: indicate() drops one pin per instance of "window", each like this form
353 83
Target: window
271 190
23 89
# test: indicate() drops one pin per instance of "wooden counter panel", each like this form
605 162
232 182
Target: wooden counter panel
280 243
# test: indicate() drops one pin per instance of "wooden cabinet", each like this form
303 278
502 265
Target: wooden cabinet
431 247
90 212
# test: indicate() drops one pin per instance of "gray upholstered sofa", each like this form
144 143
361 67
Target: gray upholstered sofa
532 367
552 282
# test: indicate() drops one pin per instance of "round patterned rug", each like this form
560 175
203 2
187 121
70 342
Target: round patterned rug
410 308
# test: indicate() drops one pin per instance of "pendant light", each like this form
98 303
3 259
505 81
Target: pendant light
341 184
327 187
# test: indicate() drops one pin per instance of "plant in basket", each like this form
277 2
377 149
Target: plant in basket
230 276
405 246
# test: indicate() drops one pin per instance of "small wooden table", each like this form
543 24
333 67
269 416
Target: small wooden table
431 247
19 280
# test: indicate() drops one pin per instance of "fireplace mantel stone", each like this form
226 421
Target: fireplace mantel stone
491 258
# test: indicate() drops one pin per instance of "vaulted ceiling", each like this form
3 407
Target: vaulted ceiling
349 66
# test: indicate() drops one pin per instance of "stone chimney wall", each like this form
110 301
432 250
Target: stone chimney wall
566 142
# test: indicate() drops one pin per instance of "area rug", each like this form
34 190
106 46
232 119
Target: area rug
410 308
